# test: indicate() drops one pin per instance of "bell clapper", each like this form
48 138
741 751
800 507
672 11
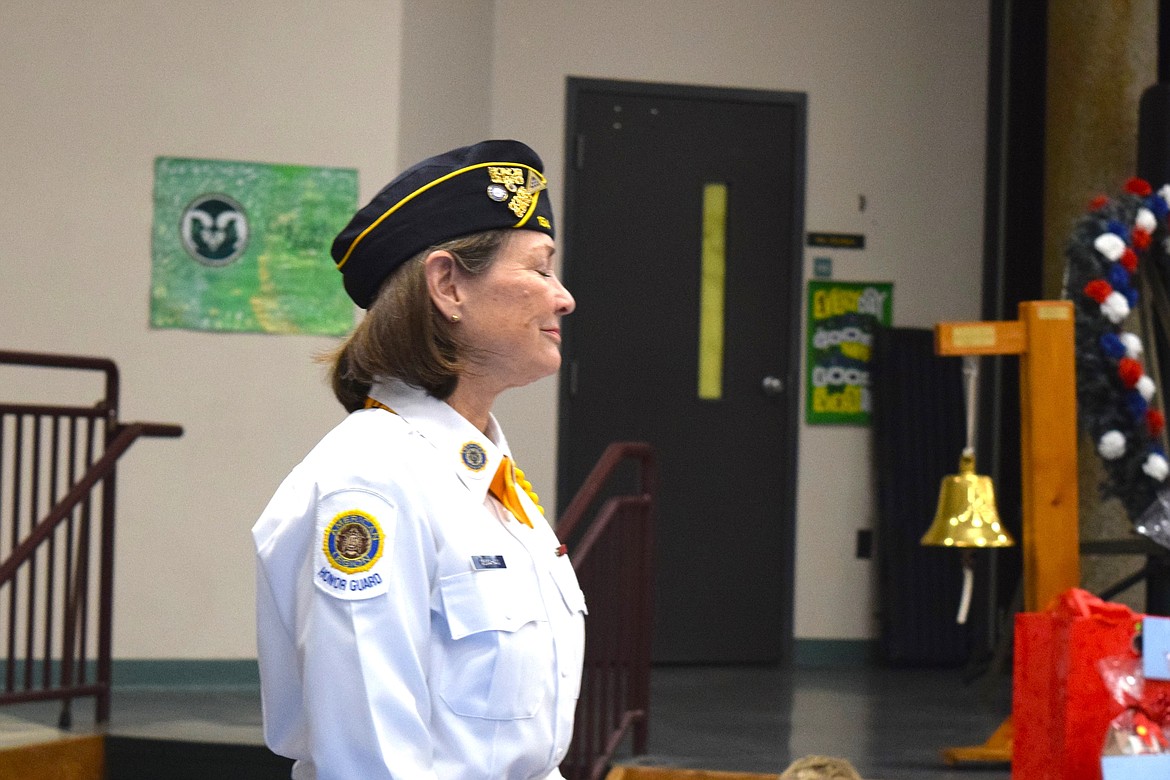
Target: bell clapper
968 585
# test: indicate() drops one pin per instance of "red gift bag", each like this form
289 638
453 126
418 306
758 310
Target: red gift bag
1061 708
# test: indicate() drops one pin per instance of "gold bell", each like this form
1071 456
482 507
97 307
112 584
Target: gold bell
966 514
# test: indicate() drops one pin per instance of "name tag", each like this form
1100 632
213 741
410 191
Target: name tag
480 562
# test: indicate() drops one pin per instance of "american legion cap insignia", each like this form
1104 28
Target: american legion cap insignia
353 543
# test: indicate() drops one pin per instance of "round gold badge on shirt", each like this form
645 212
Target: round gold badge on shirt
474 456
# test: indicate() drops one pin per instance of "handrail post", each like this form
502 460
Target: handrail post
615 695
105 647
642 727
106 602
78 559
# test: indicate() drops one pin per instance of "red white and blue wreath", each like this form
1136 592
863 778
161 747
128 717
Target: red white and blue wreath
1115 396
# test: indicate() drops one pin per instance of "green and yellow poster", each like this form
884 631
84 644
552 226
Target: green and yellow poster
244 247
842 320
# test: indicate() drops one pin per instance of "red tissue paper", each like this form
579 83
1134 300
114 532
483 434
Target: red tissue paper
1061 707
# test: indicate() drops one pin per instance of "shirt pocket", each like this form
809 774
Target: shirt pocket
500 640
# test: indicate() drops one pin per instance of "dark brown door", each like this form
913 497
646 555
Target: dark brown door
684 211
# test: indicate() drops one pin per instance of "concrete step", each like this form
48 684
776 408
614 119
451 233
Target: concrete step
62 757
159 750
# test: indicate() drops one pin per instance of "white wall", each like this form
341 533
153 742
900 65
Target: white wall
93 92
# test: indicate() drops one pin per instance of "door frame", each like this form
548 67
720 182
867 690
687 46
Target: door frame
791 402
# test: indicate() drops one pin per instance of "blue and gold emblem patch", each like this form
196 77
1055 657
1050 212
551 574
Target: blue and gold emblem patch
353 542
474 456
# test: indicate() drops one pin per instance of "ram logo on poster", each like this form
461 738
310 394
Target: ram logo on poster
244 247
842 320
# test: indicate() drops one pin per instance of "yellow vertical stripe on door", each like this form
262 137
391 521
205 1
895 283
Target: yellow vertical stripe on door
711 291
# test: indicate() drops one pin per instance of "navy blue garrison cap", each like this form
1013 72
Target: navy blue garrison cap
490 185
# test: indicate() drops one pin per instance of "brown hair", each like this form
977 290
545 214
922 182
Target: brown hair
403 334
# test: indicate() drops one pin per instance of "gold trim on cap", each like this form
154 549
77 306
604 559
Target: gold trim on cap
427 186
530 212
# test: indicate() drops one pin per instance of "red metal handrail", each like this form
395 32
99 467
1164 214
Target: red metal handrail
613 559
59 470
102 469
602 471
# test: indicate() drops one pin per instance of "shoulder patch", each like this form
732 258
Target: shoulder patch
349 563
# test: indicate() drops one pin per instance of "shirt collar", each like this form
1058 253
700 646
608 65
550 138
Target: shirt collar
472 454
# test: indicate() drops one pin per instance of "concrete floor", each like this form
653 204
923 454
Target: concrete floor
890 723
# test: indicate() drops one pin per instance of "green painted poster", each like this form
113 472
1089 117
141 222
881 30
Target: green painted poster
842 319
244 247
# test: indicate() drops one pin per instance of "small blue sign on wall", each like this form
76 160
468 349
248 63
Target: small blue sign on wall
823 267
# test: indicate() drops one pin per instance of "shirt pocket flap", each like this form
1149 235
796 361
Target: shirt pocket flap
566 580
493 600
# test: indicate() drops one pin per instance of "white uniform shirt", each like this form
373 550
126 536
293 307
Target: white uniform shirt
408 625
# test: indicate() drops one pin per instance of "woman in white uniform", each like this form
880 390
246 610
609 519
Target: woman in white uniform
417 617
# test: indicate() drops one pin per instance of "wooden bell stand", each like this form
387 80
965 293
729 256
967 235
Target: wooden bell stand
1043 337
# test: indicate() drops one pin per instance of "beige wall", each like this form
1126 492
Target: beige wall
446 76
92 93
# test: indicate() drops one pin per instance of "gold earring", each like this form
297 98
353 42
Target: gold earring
454 318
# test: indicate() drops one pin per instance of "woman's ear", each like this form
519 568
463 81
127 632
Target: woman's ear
442 283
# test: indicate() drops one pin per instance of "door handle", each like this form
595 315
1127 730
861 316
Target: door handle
772 385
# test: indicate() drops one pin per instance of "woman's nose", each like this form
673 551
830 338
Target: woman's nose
565 301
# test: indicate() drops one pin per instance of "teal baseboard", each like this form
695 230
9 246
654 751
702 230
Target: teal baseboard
178 673
244 673
834 652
